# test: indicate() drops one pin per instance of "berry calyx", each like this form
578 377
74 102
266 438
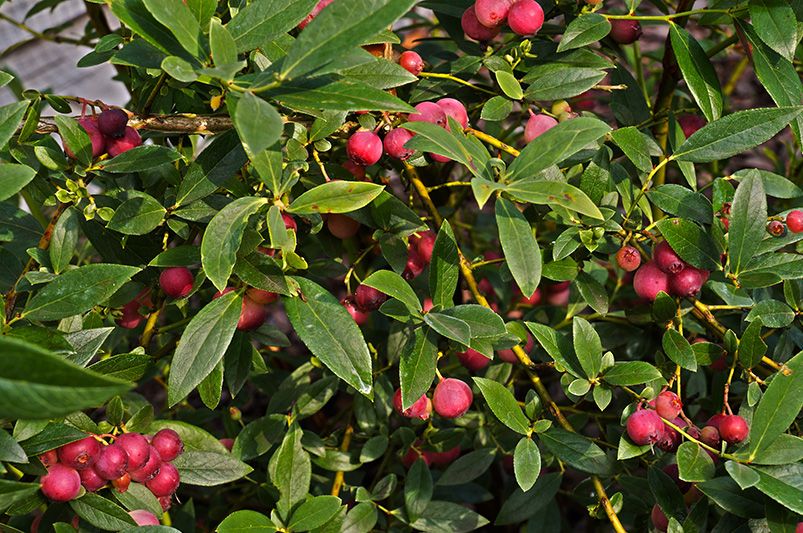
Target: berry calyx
128 141
112 123
111 462
666 259
168 443
368 298
176 282
733 429
79 454
668 405
364 148
394 143
628 258
645 427
492 13
525 17
342 226
474 29
650 280
455 109
428 112
794 221
122 483
452 398
411 62
165 482
421 409
61 483
473 360
625 31
776 228
536 125
144 518
136 447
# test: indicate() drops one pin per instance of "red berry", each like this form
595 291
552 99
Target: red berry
252 315
690 124
176 282
128 141
645 427
509 356
423 243
61 483
428 112
130 318
452 398
359 317
710 435
358 171
394 143
558 294
111 462
659 519
536 125
261 296
79 454
168 443
228 443
715 420
534 299
91 480
794 221
412 455
670 440
628 258
415 265
136 447
473 360
342 226
112 123
149 469
411 62
122 483
49 458
687 282
165 482
314 13
455 109
492 13
525 17
368 298
427 305
434 458
776 228
364 148
666 259
625 31
733 429
421 409
144 518
673 472
289 222
649 281
90 126
668 405
474 29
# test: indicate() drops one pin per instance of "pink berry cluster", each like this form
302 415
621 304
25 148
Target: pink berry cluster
666 272
109 133
92 463
484 19
451 399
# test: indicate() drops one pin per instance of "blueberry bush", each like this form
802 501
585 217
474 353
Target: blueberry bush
388 265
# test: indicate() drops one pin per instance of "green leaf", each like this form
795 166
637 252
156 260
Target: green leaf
336 29
635 146
521 250
442 516
141 158
666 493
64 240
380 74
240 521
264 20
177 17
102 513
138 497
785 449
682 202
577 451
694 463
587 346
787 492
10 451
586 29
210 469
554 81
417 489
340 95
360 519
336 197
314 513
203 345
700 76
74 136
592 291
449 326
745 476
538 191
690 242
556 145
774 20
678 349
223 236
727 494
417 365
520 505
77 291
735 133
503 404
392 284
509 84
331 334
221 44
526 463
13 178
138 215
747 223
219 162
483 322
257 122
777 409
290 470
496 108
444 268
751 346
558 347
452 144
772 313
468 467
261 271
631 373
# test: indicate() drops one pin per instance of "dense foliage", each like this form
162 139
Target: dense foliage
532 274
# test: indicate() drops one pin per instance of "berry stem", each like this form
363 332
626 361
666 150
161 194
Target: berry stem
493 141
337 484
456 80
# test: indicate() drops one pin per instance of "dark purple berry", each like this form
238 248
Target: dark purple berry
112 123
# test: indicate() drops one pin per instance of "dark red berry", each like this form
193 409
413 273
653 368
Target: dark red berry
690 124
455 109
91 480
474 29
431 457
394 143
368 298
733 429
165 482
149 469
289 222
687 282
525 17
668 405
364 148
716 420
710 435
628 258
136 447
176 282
411 62
659 519
112 123
650 280
111 462
794 221
452 398
415 265
358 171
625 31
61 483
536 125
227 442
473 360
666 259
421 409
144 518
776 228
671 439
49 458
128 141
423 243
645 427
79 454
169 444
428 112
